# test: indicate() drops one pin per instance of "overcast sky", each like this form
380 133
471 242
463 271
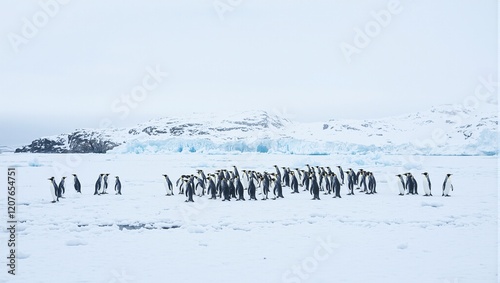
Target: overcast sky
76 67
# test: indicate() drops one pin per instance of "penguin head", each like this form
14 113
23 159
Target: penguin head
74 175
117 177
425 173
449 175
64 177
51 179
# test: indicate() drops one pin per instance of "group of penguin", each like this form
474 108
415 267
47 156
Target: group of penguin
410 186
101 186
229 184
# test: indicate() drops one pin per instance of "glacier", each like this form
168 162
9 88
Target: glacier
442 130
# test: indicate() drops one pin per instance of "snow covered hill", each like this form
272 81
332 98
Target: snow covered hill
443 130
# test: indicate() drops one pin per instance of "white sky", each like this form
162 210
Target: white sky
278 55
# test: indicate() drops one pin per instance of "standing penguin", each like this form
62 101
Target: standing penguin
362 182
189 190
336 186
341 174
202 176
98 185
350 181
314 188
427 185
232 187
118 186
401 185
294 184
265 183
409 184
251 189
62 189
239 188
415 185
286 177
447 185
225 190
212 189
78 186
372 184
168 186
278 188
306 180
53 189
278 172
105 183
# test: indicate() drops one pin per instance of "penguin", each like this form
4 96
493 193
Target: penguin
359 178
251 189
350 181
371 184
232 187
363 182
78 186
286 177
98 185
401 185
278 172
409 184
341 174
53 189
306 180
62 189
278 188
168 185
220 177
212 189
447 185
336 186
180 184
265 183
189 190
105 184
200 183
203 178
225 190
239 188
427 185
118 186
314 188
294 184
415 185
325 184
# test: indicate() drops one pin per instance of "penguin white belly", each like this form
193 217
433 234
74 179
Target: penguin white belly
447 187
401 188
166 187
53 192
427 189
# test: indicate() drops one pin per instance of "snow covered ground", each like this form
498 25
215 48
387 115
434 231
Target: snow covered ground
145 236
